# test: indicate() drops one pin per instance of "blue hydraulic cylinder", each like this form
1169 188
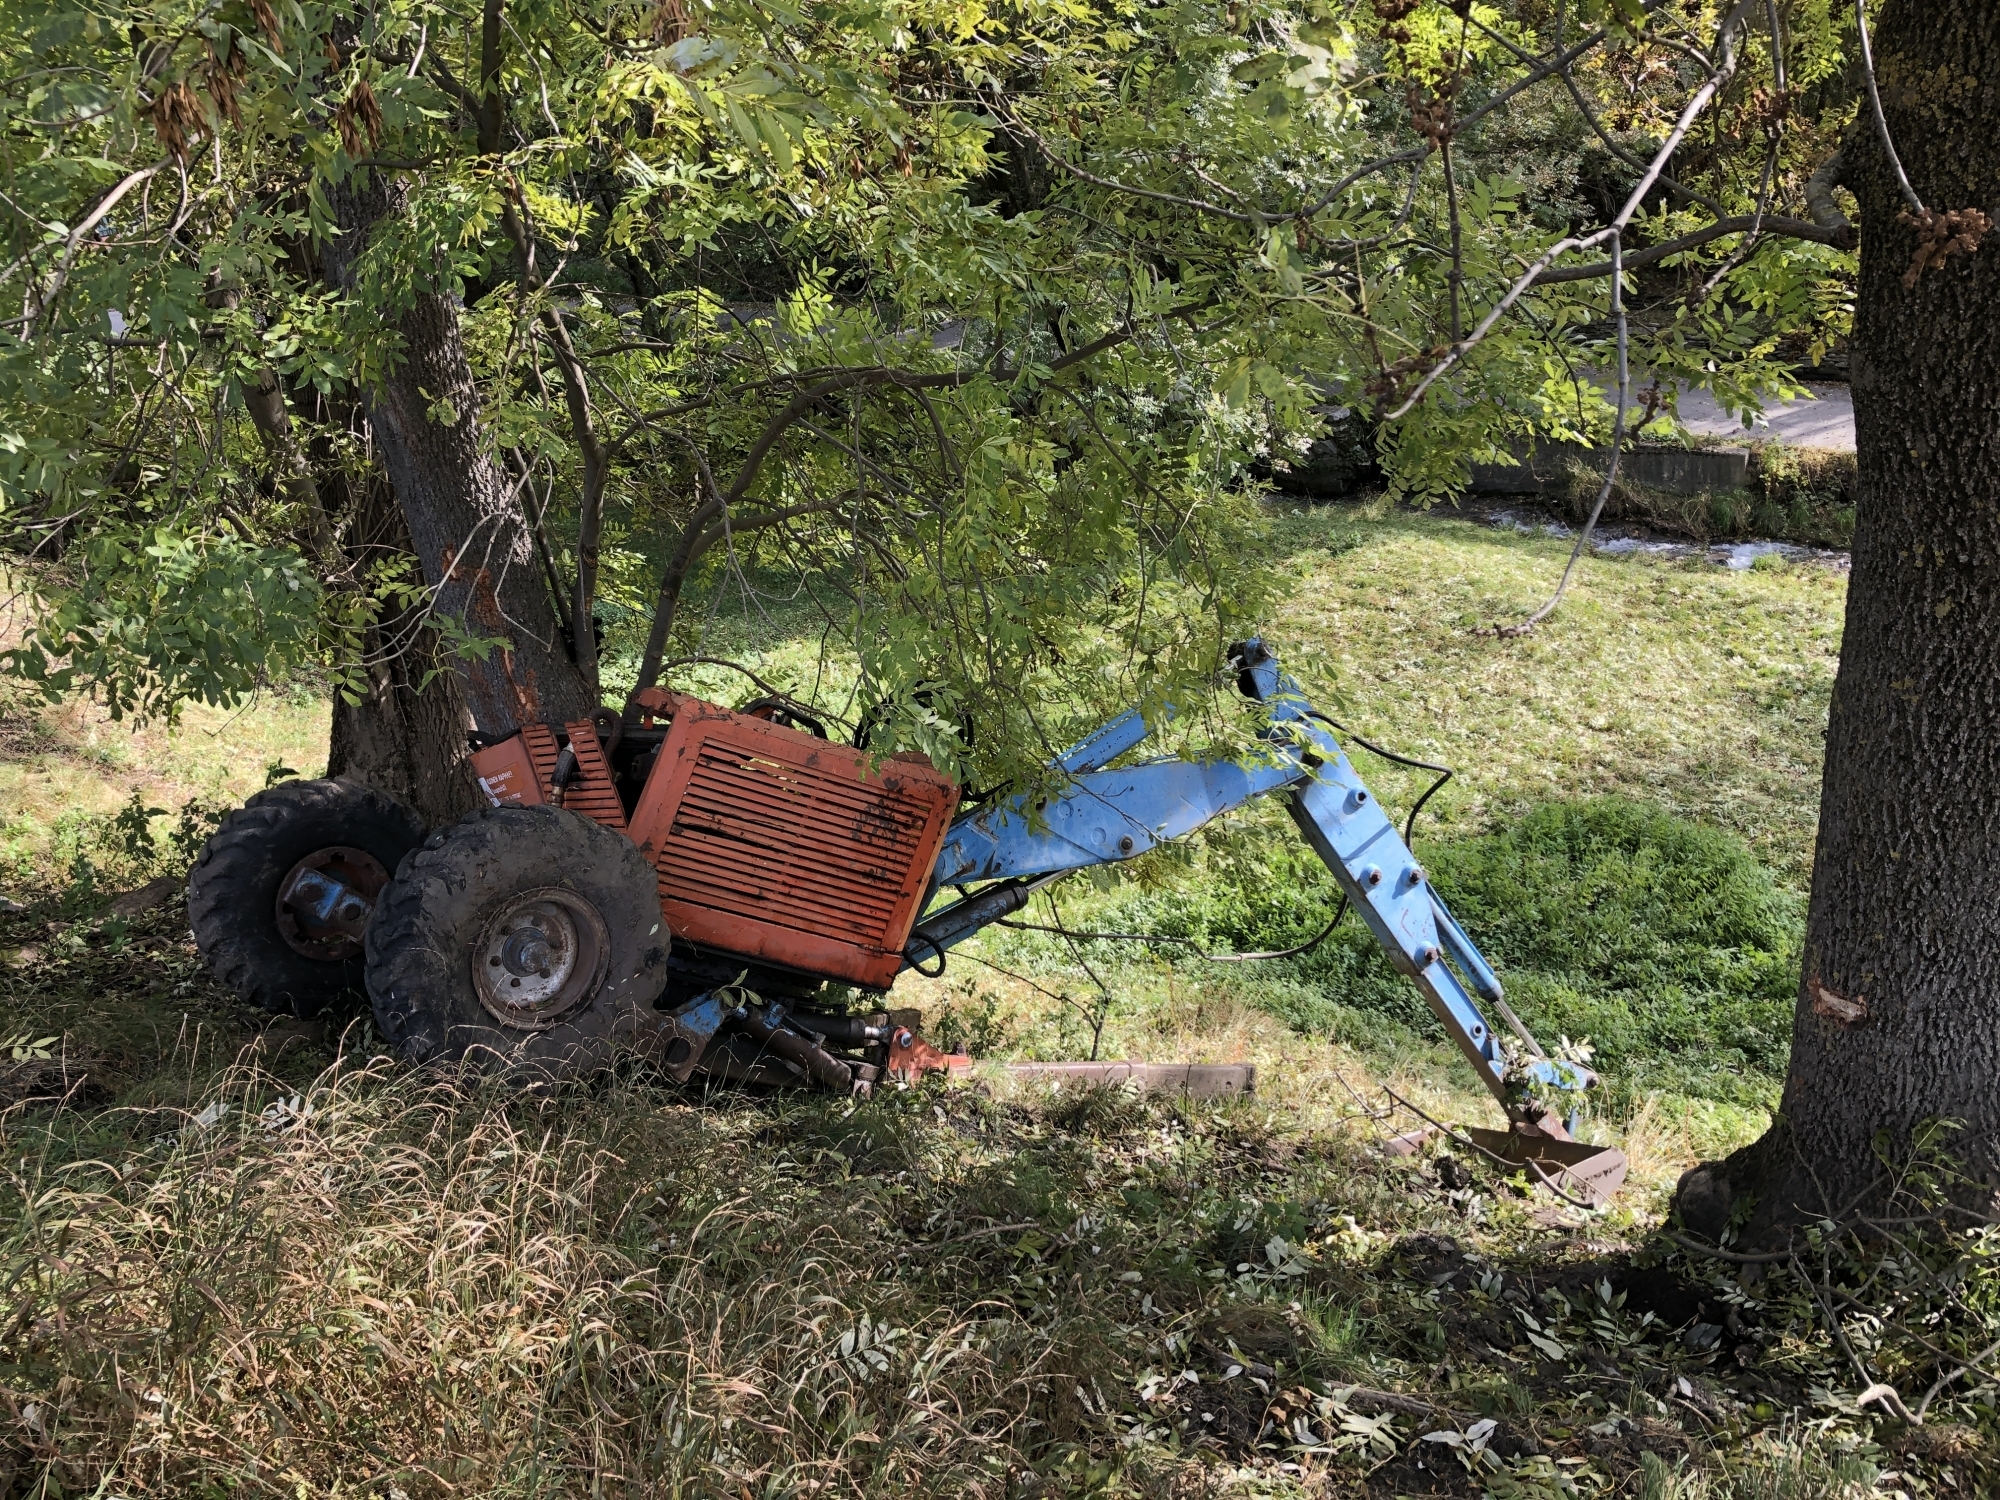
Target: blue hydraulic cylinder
1471 962
1106 816
1355 838
1126 732
1348 829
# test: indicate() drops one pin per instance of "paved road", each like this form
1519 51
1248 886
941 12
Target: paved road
1823 420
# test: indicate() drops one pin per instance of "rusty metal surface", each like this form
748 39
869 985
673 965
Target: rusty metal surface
781 847
507 774
911 1057
1196 1080
592 791
325 900
542 954
1591 1173
1410 1142
540 741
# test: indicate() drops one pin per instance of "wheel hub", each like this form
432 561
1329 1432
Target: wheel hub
527 951
326 899
539 957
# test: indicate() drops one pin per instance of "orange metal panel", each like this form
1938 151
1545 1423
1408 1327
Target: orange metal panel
506 773
519 771
655 704
591 791
776 845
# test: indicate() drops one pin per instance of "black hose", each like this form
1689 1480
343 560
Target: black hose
1215 958
1445 773
935 947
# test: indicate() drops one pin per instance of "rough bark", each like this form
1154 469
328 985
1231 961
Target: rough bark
1898 1018
406 736
465 522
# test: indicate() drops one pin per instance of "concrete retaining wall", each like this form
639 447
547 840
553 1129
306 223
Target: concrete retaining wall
1677 471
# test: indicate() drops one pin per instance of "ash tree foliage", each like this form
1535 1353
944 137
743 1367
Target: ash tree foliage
986 322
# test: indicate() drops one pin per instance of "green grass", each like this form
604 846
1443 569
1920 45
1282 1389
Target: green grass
1662 941
1683 684
66 771
1627 835
353 1280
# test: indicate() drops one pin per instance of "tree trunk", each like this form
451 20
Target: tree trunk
406 736
264 400
465 522
1898 1019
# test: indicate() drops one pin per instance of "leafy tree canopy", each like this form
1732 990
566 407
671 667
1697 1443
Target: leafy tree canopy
986 320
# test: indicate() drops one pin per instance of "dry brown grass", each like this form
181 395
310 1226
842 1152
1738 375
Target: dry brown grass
382 1280
307 1272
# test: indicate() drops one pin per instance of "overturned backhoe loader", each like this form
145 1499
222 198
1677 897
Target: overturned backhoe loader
688 880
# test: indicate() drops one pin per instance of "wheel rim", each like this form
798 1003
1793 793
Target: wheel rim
539 957
325 900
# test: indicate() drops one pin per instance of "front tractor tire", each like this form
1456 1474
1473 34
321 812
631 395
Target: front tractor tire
279 897
519 939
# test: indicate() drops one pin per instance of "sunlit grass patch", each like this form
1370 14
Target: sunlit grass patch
67 770
1697 687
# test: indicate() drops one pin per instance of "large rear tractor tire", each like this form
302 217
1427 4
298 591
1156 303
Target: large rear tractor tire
519 939
279 897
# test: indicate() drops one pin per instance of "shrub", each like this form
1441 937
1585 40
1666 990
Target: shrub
1663 941
1802 495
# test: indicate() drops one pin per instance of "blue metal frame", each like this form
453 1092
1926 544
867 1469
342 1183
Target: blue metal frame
1107 816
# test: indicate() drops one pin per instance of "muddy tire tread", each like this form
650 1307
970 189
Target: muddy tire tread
227 896
405 966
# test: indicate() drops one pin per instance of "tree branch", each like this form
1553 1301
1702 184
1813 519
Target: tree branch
1727 46
576 397
758 522
1819 200
1796 229
41 304
491 109
696 537
1875 107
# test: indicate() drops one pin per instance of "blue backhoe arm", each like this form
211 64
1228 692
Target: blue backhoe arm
1109 815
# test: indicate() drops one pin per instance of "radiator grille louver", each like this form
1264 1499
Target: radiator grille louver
779 846
795 846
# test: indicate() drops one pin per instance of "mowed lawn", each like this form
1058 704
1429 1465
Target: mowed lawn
1688 684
